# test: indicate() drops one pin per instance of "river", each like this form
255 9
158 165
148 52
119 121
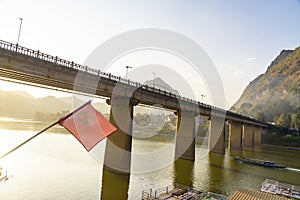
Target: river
56 167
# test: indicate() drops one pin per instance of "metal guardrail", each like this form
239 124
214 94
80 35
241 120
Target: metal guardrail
70 64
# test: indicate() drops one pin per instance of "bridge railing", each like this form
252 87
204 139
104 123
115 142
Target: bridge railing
72 65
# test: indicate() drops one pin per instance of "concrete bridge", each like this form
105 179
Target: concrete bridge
43 70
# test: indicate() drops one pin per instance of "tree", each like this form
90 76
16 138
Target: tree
233 109
142 119
244 112
260 115
172 119
284 120
296 121
246 106
168 128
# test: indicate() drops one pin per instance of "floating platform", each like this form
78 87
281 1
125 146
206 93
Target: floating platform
179 192
280 188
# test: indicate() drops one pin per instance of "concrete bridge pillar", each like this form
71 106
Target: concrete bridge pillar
216 140
257 136
185 137
118 145
248 138
235 135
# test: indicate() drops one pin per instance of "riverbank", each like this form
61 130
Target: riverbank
284 147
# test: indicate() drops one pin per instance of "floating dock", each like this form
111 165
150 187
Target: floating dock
179 192
270 190
280 188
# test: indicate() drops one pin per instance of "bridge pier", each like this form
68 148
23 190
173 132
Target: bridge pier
257 136
185 137
235 135
248 136
216 140
118 145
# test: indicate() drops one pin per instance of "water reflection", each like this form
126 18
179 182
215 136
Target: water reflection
216 172
114 185
184 172
56 167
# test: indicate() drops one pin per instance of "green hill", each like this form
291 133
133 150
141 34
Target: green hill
276 93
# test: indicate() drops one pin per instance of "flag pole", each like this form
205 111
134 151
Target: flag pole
12 150
45 129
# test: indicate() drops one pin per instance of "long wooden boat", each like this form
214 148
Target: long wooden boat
258 162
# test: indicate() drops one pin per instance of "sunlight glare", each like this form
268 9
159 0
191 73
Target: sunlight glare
36 92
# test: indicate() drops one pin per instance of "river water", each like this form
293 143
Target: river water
56 167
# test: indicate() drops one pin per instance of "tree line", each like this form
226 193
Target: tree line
49 117
279 112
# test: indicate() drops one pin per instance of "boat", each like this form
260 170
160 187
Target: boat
258 162
280 188
3 177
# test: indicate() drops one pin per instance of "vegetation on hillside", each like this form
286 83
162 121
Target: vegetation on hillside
281 137
275 95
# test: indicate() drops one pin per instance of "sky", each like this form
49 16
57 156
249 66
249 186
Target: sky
240 37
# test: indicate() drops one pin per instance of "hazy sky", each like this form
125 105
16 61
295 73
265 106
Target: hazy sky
241 37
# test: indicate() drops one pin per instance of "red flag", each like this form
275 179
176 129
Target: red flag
87 125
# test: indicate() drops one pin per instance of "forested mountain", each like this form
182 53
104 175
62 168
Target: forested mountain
275 95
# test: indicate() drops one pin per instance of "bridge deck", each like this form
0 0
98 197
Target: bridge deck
23 64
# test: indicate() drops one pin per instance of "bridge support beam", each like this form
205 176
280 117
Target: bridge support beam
248 137
257 136
118 145
185 137
216 140
235 135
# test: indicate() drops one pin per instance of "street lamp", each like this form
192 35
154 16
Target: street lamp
19 30
202 97
127 68
154 76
